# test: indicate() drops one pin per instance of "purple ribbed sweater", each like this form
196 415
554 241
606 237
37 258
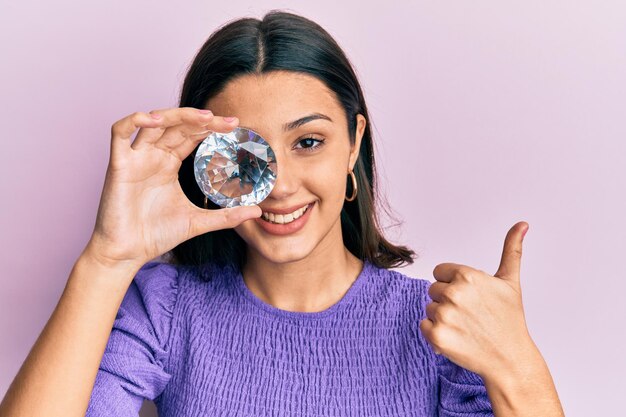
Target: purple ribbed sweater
212 348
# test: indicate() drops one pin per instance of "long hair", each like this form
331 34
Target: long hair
287 42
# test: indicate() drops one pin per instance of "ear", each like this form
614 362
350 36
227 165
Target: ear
361 122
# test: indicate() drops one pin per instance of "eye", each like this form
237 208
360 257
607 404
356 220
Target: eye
309 144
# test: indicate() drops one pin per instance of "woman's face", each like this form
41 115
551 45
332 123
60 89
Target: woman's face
313 159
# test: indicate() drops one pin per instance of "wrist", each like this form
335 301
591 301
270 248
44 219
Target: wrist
519 371
97 271
523 362
513 385
95 255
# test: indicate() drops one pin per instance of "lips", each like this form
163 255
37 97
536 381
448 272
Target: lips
285 218
283 210
287 228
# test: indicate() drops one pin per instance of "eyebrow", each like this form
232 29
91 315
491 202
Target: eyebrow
297 123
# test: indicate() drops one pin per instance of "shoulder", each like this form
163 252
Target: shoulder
157 275
155 282
196 286
151 297
403 299
160 278
397 287
394 295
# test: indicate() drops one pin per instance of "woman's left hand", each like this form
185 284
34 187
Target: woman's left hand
477 320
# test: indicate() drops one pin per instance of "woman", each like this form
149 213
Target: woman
285 308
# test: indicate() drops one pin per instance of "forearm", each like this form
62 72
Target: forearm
524 389
58 375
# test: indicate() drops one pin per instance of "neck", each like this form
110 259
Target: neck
311 284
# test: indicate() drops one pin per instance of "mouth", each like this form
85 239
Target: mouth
285 216
283 224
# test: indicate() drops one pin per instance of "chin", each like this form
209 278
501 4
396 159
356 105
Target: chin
283 256
275 249
283 249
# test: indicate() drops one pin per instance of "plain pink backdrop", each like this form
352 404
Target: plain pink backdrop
485 113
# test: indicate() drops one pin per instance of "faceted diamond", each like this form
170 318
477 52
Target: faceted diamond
237 168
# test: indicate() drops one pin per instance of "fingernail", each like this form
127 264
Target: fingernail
229 119
205 111
524 234
155 115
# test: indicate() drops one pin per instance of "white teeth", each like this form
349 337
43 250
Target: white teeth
284 218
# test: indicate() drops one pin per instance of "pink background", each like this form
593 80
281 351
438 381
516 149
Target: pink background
485 114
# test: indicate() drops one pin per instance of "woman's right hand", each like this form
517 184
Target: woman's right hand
143 211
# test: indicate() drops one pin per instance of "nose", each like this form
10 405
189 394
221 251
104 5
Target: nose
287 180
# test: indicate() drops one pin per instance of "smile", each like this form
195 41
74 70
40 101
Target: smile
284 218
285 223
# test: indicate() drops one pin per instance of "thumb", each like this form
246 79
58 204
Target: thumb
510 263
210 220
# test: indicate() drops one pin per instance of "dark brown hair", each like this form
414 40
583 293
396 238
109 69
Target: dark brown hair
283 41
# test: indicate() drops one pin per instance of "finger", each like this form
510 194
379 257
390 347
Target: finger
193 118
172 118
426 327
431 310
182 140
204 221
435 291
448 272
147 136
511 259
122 130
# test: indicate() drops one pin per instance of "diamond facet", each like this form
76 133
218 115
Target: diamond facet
237 168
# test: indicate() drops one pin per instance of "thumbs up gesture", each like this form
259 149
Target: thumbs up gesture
475 319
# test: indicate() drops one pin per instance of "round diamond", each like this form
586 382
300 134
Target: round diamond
237 168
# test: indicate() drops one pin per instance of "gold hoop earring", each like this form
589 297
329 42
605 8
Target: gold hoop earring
354 187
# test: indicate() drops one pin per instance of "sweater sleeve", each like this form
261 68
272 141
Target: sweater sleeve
132 367
462 393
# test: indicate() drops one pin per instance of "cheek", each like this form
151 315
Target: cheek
247 230
326 178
